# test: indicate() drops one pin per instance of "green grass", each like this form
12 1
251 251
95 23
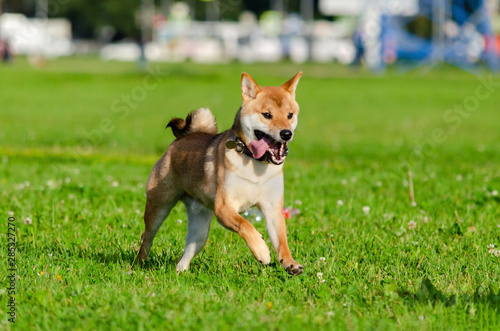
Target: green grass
355 136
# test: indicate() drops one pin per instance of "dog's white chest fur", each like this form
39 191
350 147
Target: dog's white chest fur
248 181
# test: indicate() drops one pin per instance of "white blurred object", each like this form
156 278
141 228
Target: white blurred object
122 51
329 49
356 7
266 49
321 50
207 51
42 37
299 50
344 51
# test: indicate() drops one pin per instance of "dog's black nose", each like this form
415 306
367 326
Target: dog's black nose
286 135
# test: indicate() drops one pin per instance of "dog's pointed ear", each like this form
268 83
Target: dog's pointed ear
291 85
249 88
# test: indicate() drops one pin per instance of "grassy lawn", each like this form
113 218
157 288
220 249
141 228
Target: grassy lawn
79 137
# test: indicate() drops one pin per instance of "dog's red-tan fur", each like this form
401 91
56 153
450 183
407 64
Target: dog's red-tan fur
211 179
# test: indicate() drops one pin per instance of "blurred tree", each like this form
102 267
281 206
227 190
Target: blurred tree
90 17
87 16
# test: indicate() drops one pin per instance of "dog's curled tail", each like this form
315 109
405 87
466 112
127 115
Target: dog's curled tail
200 120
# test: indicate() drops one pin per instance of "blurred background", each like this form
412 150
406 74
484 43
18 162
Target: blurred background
396 158
374 32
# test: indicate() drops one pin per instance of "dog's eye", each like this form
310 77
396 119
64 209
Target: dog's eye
290 115
267 115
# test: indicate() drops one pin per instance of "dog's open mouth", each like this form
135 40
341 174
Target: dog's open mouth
267 146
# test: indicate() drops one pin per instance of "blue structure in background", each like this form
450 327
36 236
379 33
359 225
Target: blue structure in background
458 32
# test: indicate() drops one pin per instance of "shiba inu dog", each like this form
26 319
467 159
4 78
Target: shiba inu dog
227 173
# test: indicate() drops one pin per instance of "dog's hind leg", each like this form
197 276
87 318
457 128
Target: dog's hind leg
162 195
199 220
154 216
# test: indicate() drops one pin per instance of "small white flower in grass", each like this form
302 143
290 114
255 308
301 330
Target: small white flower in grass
26 183
343 181
494 193
153 294
28 221
258 218
459 178
67 180
115 183
379 183
322 259
498 226
137 211
320 275
321 281
179 221
413 203
298 202
124 225
425 220
412 225
497 253
491 248
340 203
366 210
50 254
120 210
10 213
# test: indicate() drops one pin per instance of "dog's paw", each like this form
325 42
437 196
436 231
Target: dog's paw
261 252
292 267
181 267
266 260
140 260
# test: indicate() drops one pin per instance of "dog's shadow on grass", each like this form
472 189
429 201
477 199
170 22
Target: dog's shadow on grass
113 255
107 255
428 293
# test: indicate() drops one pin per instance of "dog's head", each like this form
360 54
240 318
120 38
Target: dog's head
268 117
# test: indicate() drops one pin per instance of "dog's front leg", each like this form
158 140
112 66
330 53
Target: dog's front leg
233 221
276 227
271 205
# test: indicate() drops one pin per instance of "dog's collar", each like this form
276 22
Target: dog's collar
240 147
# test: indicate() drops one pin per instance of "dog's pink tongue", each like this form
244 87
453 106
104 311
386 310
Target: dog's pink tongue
259 147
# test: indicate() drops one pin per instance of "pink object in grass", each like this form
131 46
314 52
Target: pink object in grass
290 212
